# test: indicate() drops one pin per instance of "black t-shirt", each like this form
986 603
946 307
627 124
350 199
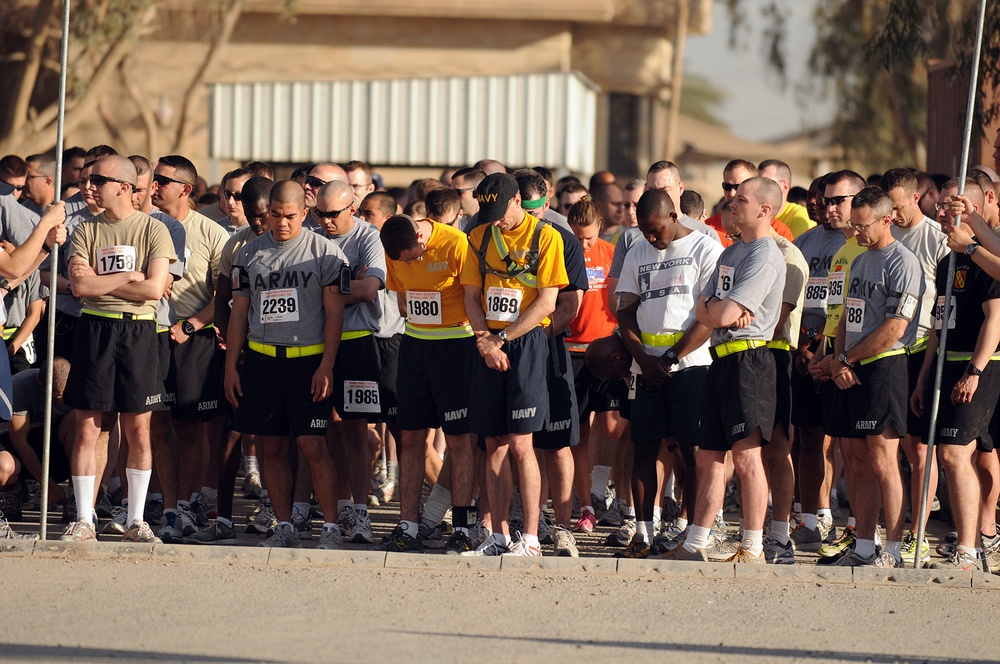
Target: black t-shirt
972 286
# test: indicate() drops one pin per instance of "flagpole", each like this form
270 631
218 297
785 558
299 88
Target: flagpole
949 285
53 281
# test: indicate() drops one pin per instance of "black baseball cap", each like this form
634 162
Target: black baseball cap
494 194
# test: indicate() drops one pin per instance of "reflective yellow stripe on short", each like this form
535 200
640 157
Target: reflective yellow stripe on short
737 346
9 332
778 344
358 334
661 340
880 356
115 315
918 346
952 356
286 351
436 333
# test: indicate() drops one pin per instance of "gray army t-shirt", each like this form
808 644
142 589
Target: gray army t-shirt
930 245
753 275
363 247
285 282
818 245
884 283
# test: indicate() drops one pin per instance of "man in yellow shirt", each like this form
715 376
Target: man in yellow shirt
792 215
511 280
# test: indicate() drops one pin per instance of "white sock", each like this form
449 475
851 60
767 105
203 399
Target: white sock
630 511
796 508
437 505
329 526
502 539
195 497
753 541
531 541
697 538
668 486
83 489
894 548
341 504
224 521
392 470
599 480
138 485
210 494
643 529
720 516
587 508
852 522
967 550
824 511
657 514
250 464
779 531
411 528
680 523
864 548
154 496
809 520
301 508
361 510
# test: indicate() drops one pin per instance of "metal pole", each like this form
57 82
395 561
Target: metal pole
949 284
54 276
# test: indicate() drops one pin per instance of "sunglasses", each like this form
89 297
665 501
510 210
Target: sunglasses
836 200
163 180
727 187
332 214
235 195
462 190
17 187
101 180
314 181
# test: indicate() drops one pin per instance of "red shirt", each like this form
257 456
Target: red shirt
595 320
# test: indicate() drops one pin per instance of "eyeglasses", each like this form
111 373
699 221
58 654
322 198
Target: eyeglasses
859 227
314 182
163 180
332 214
727 187
836 200
235 195
101 180
37 175
462 190
17 187
361 186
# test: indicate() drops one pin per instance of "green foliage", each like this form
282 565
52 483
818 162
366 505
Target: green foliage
700 99
870 56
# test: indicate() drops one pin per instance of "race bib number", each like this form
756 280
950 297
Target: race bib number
29 350
361 396
816 293
939 313
503 304
725 280
835 289
280 305
423 307
854 311
120 258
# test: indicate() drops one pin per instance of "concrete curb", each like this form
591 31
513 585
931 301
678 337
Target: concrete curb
649 568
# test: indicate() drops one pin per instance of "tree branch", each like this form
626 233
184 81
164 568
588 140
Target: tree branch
25 83
190 102
148 119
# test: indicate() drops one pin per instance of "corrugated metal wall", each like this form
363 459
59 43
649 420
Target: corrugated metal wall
535 119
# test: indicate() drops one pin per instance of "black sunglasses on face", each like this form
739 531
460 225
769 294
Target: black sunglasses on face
729 187
331 214
101 180
314 181
163 180
235 195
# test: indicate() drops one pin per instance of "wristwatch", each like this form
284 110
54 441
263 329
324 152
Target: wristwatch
971 249
671 357
503 336
187 327
843 360
973 370
4 284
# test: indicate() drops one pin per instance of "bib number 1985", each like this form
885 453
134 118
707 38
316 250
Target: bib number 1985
361 396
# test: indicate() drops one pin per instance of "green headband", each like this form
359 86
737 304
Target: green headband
533 205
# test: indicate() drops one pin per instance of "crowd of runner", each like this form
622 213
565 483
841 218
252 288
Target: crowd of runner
512 358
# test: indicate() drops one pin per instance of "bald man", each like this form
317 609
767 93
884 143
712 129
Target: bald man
357 396
288 310
318 176
118 266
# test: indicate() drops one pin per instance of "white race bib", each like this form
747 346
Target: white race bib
29 350
854 311
835 289
361 396
423 307
119 258
279 305
725 280
939 313
503 304
816 293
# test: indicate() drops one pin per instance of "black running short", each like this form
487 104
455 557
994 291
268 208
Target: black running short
433 383
966 422
277 397
739 397
514 401
356 393
195 377
562 427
